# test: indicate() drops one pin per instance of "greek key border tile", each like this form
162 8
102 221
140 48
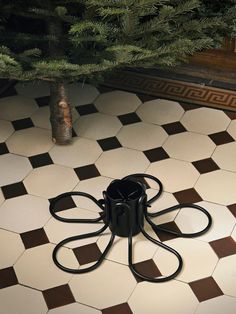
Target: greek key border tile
172 89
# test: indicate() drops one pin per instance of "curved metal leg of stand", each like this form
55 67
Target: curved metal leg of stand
52 208
167 210
82 236
164 246
79 237
130 249
180 234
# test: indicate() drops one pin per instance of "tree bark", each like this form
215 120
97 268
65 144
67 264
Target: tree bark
60 110
60 114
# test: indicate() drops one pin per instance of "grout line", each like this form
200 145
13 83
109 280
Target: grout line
132 292
113 179
90 306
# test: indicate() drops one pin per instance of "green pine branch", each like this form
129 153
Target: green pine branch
90 37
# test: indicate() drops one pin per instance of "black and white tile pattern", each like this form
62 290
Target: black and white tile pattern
191 149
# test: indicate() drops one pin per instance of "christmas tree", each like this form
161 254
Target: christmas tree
63 41
225 10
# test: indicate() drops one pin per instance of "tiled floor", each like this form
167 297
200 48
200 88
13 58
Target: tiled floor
192 150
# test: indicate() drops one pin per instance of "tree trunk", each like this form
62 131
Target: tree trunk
60 111
60 114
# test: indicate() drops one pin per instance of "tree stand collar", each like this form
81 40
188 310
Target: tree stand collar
124 208
126 200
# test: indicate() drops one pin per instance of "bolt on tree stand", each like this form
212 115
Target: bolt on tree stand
124 208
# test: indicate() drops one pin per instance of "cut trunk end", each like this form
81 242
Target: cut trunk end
60 114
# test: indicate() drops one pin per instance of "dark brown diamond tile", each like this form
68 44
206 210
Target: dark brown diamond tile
129 118
232 208
105 89
86 109
147 268
109 143
205 289
13 190
221 138
188 196
224 247
22 124
42 101
188 106
87 253
174 128
40 160
64 203
156 154
205 165
73 133
118 309
164 236
230 114
34 238
144 97
10 91
87 172
3 149
7 277
58 296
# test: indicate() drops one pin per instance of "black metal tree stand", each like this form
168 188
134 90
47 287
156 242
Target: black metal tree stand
124 208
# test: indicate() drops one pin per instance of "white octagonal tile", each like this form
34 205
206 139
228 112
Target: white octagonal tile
121 162
74 308
41 117
16 107
225 156
232 129
97 126
189 146
143 249
117 102
11 247
49 181
164 201
29 142
160 111
13 168
142 136
225 275
205 120
117 285
169 172
6 129
24 213
219 305
57 231
191 220
93 186
33 89
35 268
217 187
2 199
81 94
193 252
22 300
79 153
172 297
234 234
